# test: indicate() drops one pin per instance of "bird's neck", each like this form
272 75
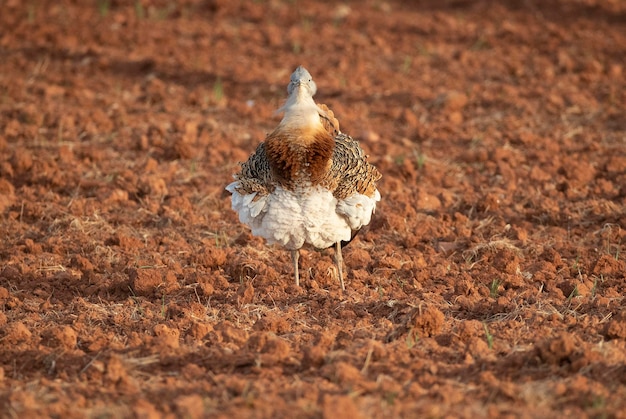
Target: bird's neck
301 115
300 148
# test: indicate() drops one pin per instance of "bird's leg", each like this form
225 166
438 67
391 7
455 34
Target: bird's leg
295 255
339 261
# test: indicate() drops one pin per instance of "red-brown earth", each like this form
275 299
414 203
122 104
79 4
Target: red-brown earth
490 284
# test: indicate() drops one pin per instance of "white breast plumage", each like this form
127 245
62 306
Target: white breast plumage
312 215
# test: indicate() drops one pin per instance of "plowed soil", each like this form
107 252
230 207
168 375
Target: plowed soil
490 283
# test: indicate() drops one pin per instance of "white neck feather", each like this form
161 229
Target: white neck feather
300 110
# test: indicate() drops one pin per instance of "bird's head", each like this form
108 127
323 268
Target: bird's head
301 81
300 108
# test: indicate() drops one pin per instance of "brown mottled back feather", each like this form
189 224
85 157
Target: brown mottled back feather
345 174
255 174
330 123
350 173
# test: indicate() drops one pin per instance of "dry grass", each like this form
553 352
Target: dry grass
471 255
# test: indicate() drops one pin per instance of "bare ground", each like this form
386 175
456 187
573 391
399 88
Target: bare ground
490 284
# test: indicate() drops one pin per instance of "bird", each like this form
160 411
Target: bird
308 184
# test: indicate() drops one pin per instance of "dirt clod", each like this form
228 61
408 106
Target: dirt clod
150 282
616 328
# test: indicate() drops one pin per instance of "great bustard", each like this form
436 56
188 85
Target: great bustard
308 183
